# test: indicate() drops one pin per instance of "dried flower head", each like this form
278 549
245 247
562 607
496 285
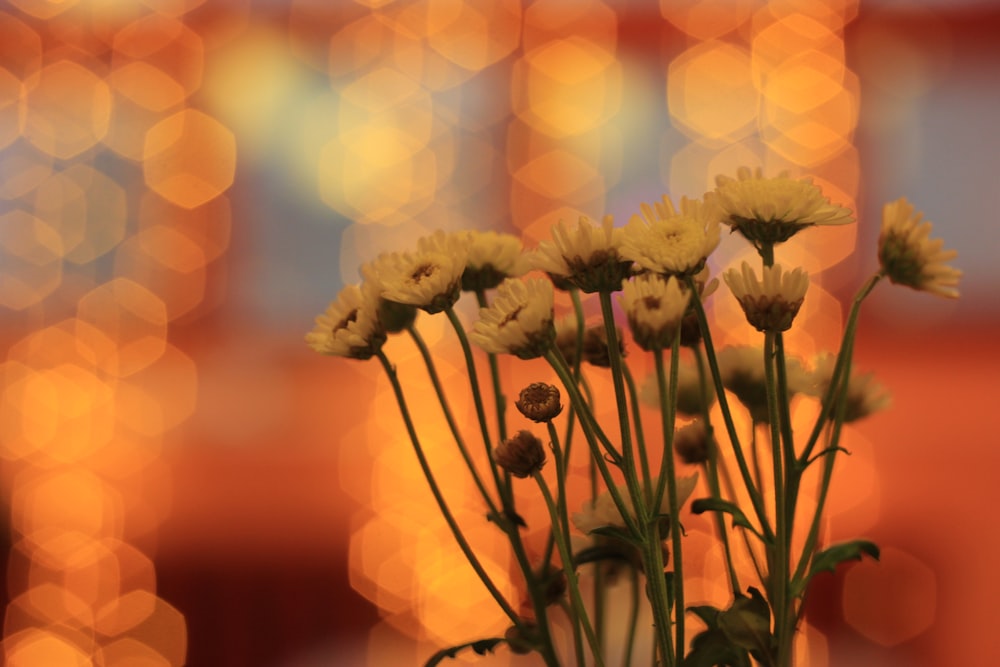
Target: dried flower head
521 455
670 242
602 510
539 402
691 442
772 210
772 302
587 256
910 257
519 321
350 326
742 371
491 257
864 394
654 307
427 279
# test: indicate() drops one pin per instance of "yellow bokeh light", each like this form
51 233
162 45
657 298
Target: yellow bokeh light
559 174
790 37
68 109
189 158
168 264
566 87
707 19
32 648
87 207
710 92
132 317
804 81
25 167
473 35
30 260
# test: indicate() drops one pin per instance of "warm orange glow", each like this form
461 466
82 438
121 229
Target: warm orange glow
189 158
68 109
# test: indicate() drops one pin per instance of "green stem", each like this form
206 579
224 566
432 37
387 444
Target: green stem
712 469
449 417
843 357
640 440
588 421
438 497
755 497
633 618
477 398
668 477
561 503
570 571
778 575
498 396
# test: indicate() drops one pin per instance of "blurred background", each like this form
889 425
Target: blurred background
185 184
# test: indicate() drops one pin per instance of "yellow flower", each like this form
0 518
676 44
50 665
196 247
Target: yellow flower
772 302
654 307
350 326
742 370
669 242
519 321
910 257
587 256
492 256
428 279
771 210
864 394
602 511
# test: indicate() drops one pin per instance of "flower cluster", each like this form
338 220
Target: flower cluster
660 264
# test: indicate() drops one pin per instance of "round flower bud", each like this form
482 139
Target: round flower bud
521 640
522 455
539 402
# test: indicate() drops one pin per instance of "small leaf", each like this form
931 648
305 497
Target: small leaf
747 623
480 646
712 648
719 505
707 613
830 558
602 552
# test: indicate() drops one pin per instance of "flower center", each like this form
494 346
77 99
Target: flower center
423 271
350 317
511 317
651 302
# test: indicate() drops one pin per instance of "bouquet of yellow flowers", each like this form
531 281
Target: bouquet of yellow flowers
630 520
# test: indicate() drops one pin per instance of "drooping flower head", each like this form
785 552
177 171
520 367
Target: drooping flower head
519 321
670 242
490 257
742 371
654 307
602 510
910 257
588 256
521 455
771 210
429 279
693 443
864 394
772 302
350 326
595 350
691 400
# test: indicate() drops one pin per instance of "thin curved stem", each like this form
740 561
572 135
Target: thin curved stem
439 497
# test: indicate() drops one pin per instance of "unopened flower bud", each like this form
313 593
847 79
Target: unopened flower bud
554 585
539 402
691 442
522 455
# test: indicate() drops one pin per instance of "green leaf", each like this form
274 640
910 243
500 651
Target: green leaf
707 613
480 646
712 648
747 624
830 558
719 505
